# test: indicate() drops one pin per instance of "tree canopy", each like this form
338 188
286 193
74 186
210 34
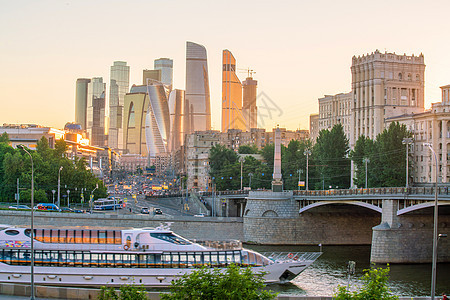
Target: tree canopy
75 175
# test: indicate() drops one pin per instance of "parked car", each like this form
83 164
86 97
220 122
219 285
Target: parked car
79 211
66 209
19 207
144 210
158 211
47 207
200 215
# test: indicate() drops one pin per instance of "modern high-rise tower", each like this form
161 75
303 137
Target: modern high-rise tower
197 87
166 67
249 109
177 122
232 117
96 111
81 100
119 85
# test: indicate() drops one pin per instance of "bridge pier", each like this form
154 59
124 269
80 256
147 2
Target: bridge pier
407 238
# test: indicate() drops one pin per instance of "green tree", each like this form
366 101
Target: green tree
374 287
60 148
330 152
4 138
126 292
233 284
248 149
224 167
39 196
364 148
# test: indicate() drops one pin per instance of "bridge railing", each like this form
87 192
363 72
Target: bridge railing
374 191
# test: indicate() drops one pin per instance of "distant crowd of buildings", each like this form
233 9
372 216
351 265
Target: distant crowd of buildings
155 124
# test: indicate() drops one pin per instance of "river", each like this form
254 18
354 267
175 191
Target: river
330 270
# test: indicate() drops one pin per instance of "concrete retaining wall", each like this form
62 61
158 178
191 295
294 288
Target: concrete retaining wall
189 227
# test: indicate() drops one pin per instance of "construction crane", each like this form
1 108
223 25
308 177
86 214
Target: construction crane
249 71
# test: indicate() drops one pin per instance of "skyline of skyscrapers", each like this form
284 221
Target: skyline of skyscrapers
166 67
197 87
119 86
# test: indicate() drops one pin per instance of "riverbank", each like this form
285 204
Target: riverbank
22 292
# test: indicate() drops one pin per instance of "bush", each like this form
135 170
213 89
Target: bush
374 287
232 284
126 292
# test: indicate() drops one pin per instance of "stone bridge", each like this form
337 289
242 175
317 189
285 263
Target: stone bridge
397 222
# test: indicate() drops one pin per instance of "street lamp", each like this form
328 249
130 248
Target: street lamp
435 228
307 153
59 186
366 160
407 142
53 192
241 160
32 221
68 198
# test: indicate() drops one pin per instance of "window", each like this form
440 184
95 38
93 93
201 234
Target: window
12 232
400 76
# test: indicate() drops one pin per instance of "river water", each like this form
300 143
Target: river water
330 270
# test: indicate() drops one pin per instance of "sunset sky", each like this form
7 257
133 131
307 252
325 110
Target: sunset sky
300 50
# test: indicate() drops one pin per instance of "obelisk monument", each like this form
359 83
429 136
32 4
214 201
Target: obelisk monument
277 182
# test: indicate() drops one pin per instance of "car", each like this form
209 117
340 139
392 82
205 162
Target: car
66 209
79 211
158 211
200 215
144 210
19 207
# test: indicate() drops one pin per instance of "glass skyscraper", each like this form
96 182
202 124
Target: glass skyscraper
197 87
96 111
166 67
119 85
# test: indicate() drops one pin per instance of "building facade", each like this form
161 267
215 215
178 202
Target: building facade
197 87
232 117
81 100
177 121
336 109
135 109
249 108
165 65
431 126
96 111
157 121
313 127
384 85
119 86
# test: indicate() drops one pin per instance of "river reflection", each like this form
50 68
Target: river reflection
330 270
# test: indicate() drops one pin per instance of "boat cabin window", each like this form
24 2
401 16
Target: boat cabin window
12 232
64 236
170 237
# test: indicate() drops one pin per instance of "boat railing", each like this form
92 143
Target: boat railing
291 256
221 245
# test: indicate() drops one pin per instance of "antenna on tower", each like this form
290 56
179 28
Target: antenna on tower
249 71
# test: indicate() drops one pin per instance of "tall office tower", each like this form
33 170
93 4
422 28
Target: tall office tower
231 94
157 121
152 75
81 100
249 109
176 110
384 85
197 87
96 111
119 85
166 67
135 111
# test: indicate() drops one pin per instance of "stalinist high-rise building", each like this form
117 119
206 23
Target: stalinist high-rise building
232 117
197 87
384 85
119 86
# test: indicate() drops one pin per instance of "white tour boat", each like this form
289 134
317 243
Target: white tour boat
108 257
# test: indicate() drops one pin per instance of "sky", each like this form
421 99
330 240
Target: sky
300 50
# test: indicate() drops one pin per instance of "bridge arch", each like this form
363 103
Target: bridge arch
358 203
419 206
270 213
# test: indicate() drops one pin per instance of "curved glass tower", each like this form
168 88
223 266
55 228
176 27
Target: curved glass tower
177 124
157 121
197 87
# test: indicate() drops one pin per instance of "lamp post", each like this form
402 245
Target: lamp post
366 160
407 142
241 160
68 198
32 221
53 192
92 197
59 186
435 228
307 153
